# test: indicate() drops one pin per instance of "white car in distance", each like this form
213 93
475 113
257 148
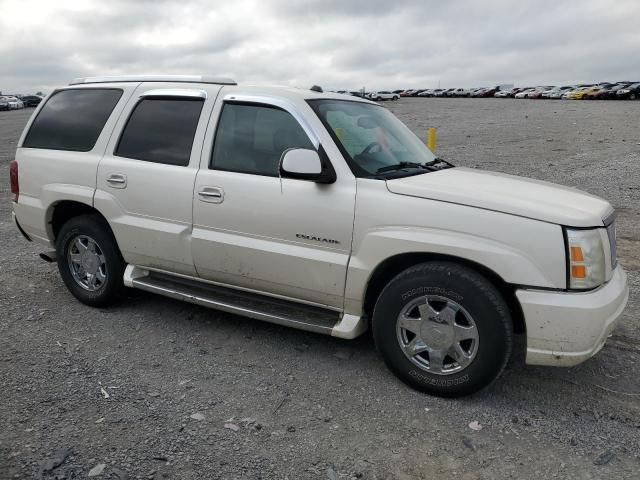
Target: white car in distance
14 103
383 95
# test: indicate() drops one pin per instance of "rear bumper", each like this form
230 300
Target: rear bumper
567 328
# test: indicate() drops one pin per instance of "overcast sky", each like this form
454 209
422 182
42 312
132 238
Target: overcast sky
380 44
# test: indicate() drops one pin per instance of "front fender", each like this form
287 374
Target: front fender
520 250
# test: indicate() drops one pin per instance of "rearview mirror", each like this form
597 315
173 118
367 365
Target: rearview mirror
304 164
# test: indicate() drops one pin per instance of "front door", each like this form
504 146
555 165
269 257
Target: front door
255 230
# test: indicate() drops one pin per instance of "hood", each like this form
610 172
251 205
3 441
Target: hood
508 194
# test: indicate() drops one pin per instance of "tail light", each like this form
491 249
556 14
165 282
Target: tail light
13 175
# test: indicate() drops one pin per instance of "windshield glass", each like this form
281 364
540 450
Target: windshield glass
370 137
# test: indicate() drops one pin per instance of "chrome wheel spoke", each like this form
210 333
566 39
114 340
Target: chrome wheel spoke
91 246
426 311
79 245
463 332
448 313
415 346
436 360
410 324
461 356
75 258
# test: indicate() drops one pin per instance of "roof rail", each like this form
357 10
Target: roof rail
155 78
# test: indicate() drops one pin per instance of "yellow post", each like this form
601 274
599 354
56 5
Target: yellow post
431 139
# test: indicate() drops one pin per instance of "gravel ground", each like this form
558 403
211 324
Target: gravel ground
155 388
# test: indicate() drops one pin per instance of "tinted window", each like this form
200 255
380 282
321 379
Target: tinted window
251 139
72 119
161 130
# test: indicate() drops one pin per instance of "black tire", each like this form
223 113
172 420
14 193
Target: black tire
96 228
476 295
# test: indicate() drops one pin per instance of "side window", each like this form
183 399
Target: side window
161 130
252 138
72 119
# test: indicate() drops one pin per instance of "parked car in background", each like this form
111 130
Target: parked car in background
31 100
581 93
596 93
458 92
536 93
4 104
488 92
524 93
426 93
383 95
632 92
510 93
15 103
611 93
408 93
556 93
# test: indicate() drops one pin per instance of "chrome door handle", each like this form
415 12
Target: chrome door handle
117 180
211 194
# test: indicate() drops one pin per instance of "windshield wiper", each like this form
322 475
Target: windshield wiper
438 164
400 166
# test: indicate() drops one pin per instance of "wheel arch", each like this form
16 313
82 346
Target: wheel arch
62 211
386 270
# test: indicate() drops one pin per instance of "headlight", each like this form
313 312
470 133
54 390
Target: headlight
586 259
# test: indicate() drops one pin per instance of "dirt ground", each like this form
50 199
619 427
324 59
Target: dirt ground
155 388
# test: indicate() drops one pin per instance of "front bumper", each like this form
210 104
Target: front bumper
567 328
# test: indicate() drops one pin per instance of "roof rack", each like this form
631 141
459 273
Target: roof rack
155 78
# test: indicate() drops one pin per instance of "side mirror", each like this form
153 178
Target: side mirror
304 164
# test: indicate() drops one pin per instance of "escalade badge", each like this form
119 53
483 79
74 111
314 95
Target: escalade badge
317 239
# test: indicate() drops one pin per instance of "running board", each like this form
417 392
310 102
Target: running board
248 304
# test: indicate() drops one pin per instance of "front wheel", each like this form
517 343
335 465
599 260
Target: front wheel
89 260
443 329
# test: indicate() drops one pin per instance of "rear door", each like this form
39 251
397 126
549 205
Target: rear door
255 230
145 179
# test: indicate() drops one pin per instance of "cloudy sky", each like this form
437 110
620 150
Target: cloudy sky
335 43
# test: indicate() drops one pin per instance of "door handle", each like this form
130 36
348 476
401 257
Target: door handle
117 180
211 194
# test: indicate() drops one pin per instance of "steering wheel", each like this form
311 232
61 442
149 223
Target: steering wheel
370 147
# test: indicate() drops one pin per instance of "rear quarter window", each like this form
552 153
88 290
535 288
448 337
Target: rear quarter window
72 119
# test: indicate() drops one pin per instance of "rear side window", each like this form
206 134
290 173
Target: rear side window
252 138
161 130
72 119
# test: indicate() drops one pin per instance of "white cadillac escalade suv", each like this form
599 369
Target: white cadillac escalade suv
319 212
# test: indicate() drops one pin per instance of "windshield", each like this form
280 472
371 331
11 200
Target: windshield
371 138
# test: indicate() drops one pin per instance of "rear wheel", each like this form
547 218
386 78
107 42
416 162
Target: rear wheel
443 329
633 96
89 260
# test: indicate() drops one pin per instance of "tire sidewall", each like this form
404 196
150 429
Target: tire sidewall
92 227
484 305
